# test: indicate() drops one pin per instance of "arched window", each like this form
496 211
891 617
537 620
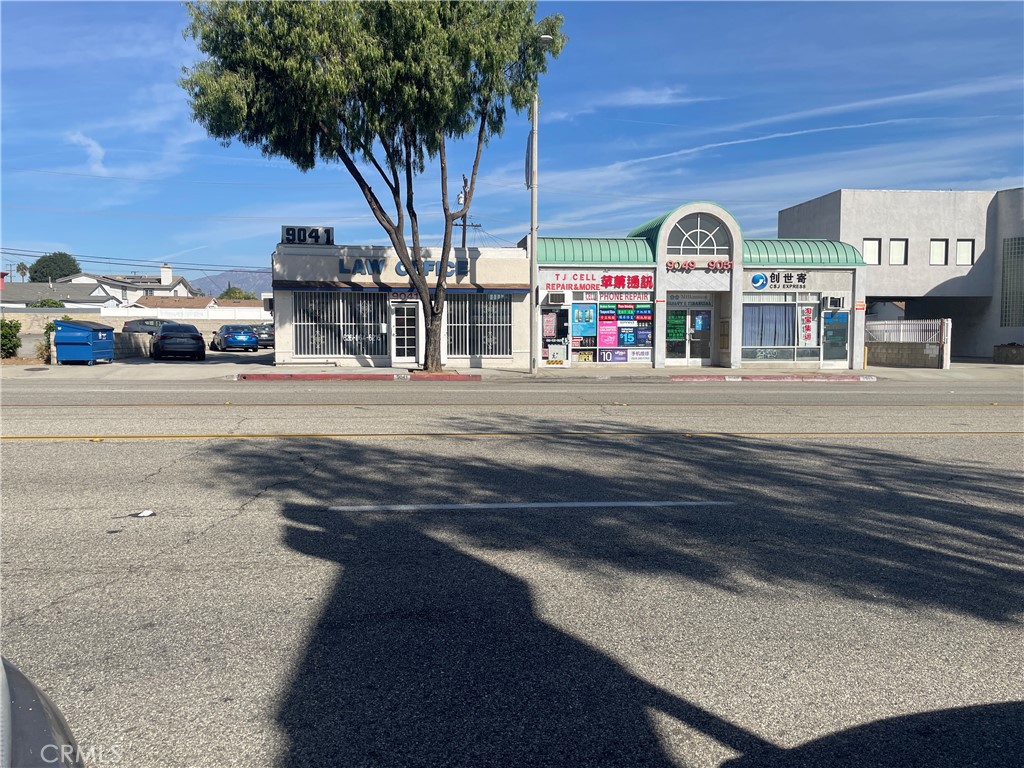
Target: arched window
699 234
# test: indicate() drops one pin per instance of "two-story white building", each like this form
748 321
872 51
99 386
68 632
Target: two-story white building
130 288
957 255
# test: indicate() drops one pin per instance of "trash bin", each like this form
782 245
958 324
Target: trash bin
83 341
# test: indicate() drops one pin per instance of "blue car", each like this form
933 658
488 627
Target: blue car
235 337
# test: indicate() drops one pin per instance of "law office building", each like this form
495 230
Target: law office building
685 289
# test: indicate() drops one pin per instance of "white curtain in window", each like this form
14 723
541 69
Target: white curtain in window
769 325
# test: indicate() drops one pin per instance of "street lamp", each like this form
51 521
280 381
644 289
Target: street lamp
544 41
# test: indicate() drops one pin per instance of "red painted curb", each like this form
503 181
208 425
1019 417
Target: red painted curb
742 377
316 376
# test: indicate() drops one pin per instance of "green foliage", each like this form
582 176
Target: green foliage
43 347
234 292
53 266
382 84
10 337
305 80
22 270
48 303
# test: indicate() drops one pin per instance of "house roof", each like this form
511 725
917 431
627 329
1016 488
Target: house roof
28 293
175 302
240 303
132 281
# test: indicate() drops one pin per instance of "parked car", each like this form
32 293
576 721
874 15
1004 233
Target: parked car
235 337
148 325
174 339
265 334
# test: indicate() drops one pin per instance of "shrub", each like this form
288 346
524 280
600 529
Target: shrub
43 347
10 337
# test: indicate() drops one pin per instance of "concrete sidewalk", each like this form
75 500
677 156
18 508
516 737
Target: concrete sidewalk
260 368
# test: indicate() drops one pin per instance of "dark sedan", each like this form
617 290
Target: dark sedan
178 340
265 333
148 325
235 337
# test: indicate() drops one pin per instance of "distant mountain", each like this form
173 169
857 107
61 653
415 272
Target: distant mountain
215 285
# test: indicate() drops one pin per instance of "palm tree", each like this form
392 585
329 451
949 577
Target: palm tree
22 270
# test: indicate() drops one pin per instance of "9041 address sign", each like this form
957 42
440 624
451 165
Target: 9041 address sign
307 235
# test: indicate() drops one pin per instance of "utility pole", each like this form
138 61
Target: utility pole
462 201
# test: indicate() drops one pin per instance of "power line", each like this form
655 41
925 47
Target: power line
184 266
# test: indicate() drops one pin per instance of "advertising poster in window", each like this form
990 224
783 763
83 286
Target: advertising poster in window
584 332
607 326
625 332
807 334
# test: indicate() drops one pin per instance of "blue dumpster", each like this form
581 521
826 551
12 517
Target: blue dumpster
83 341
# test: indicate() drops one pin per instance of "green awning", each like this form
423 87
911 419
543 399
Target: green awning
594 250
800 253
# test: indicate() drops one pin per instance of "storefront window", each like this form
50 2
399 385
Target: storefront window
480 325
781 326
329 324
769 325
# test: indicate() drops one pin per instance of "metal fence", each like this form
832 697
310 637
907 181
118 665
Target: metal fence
924 331
328 324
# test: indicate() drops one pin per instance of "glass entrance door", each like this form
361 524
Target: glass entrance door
404 333
688 337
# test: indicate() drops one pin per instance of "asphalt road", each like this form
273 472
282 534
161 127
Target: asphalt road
515 573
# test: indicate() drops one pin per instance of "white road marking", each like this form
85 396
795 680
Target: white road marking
526 505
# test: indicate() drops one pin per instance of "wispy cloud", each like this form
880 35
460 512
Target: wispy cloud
629 97
94 152
771 137
985 86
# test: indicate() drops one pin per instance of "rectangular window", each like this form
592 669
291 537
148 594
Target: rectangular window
872 251
769 325
939 254
964 253
329 324
480 325
897 252
1011 314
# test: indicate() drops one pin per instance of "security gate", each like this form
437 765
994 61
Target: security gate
329 324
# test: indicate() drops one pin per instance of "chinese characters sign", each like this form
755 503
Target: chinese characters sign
597 281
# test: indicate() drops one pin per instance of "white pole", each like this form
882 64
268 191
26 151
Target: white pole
533 238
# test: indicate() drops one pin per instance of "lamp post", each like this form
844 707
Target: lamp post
534 346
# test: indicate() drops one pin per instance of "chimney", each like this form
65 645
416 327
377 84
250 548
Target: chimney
165 274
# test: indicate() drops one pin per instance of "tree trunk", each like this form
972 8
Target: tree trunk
432 353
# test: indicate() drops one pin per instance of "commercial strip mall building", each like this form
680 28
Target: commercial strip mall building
685 289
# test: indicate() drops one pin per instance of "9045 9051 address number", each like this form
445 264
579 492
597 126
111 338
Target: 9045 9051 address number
688 266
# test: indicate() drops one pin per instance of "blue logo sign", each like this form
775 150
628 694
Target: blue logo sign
759 281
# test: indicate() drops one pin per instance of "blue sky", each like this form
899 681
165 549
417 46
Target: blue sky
754 106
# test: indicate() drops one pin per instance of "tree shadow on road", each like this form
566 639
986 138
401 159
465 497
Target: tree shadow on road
426 655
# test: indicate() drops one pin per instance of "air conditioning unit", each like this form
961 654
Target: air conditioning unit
555 298
833 302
